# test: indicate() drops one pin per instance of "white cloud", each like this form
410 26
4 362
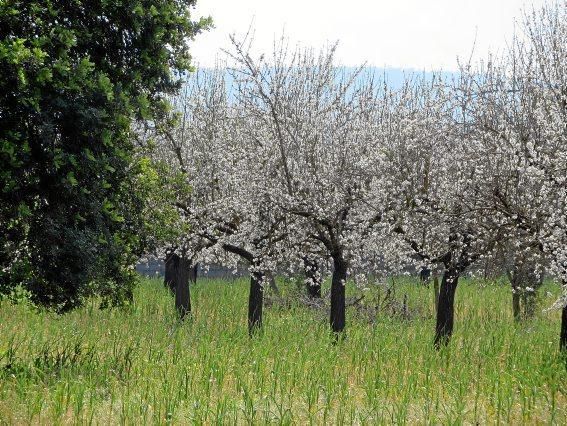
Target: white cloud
421 34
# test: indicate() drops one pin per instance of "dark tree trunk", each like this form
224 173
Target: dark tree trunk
338 306
424 275
446 307
182 296
255 302
171 266
312 278
516 304
525 281
563 336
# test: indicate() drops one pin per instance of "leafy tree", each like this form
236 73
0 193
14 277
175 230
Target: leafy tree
75 75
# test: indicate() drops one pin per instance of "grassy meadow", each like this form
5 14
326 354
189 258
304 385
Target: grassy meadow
140 366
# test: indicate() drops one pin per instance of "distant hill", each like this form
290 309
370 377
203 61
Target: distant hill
394 77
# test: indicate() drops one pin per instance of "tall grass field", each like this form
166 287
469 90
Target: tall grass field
139 365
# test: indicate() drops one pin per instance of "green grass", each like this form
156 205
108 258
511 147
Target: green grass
138 365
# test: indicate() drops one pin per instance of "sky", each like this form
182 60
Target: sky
405 34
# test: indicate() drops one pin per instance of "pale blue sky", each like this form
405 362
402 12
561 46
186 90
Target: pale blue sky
410 34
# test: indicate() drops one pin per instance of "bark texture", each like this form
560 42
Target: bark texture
171 266
338 306
446 307
255 302
182 294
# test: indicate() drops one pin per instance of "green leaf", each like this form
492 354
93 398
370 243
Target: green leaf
71 179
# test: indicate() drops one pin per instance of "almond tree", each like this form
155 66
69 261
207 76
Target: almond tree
547 34
314 122
518 105
199 118
503 129
228 217
437 173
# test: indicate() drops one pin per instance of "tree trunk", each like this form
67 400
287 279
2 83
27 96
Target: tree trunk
436 292
182 296
424 275
312 278
516 304
525 281
563 336
171 266
446 307
338 306
255 302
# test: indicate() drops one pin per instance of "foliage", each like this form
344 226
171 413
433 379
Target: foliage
75 74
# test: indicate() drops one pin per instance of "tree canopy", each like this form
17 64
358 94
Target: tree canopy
75 77
293 156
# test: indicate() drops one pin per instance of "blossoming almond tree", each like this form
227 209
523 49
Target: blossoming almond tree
518 106
547 34
436 171
315 123
229 218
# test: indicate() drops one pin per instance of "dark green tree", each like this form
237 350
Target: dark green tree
75 77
